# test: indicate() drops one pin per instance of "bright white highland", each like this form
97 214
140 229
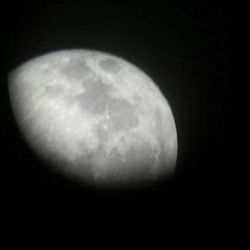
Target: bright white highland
94 117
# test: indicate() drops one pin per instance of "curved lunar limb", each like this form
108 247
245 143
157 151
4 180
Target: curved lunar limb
96 117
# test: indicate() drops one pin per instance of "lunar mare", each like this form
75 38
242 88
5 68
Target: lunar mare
94 117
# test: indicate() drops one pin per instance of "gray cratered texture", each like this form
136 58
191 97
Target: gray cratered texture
95 117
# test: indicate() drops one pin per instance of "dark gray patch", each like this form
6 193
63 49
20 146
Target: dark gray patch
84 162
96 98
118 169
122 115
137 163
76 70
109 65
102 134
53 91
92 102
97 84
140 157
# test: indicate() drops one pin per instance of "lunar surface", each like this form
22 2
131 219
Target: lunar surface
94 118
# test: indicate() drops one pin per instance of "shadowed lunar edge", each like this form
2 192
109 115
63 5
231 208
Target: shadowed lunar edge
138 163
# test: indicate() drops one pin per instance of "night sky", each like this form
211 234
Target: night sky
195 53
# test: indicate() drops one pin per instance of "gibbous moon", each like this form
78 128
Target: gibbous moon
94 118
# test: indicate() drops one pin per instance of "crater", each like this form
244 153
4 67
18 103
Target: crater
110 65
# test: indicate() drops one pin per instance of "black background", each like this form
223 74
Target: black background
194 52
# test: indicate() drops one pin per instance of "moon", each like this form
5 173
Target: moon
95 118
